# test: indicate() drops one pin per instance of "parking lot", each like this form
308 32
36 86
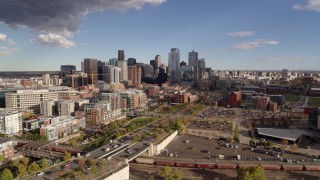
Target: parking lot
214 126
193 147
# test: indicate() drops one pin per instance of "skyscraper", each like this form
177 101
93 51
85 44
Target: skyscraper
46 79
174 63
201 68
158 61
91 68
132 61
113 62
122 64
153 63
134 75
66 70
111 74
193 61
120 54
100 65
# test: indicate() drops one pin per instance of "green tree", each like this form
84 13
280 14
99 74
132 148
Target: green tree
33 168
66 156
44 163
177 174
6 174
166 172
236 139
25 161
1 158
94 169
90 161
22 170
253 173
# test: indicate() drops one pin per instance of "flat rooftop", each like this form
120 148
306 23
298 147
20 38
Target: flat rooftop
289 134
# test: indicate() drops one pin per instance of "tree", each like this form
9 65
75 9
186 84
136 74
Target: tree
90 161
284 141
33 168
94 169
6 174
66 156
44 163
166 172
177 174
81 164
236 139
25 161
1 158
253 173
22 170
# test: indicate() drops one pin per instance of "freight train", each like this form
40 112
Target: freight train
203 165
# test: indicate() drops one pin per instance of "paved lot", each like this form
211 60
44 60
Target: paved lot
197 148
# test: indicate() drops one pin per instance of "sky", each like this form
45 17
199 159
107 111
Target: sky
41 35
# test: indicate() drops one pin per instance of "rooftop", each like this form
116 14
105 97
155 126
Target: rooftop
289 134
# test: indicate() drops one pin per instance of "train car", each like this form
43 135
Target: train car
311 168
186 164
247 165
293 167
165 163
271 167
227 166
207 165
22 143
145 161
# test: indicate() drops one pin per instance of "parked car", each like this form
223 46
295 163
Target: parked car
40 173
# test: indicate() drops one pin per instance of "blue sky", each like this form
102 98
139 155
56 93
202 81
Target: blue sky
246 34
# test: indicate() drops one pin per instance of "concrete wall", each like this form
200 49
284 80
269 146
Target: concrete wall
122 174
157 148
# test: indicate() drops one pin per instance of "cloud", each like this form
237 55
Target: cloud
2 37
312 5
241 34
7 50
61 17
252 44
53 40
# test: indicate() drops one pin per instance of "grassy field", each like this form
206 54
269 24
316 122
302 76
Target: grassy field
292 97
314 102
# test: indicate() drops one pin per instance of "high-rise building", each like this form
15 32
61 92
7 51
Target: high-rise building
158 61
100 65
46 79
122 64
153 63
111 74
193 61
174 63
91 68
113 62
67 70
65 107
48 108
120 54
132 61
134 75
201 68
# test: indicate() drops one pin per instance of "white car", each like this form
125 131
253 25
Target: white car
40 173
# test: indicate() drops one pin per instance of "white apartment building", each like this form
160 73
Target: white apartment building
28 99
10 121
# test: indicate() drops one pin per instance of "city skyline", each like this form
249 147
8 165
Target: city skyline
269 35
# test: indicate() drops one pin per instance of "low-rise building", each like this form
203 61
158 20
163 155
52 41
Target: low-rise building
6 148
